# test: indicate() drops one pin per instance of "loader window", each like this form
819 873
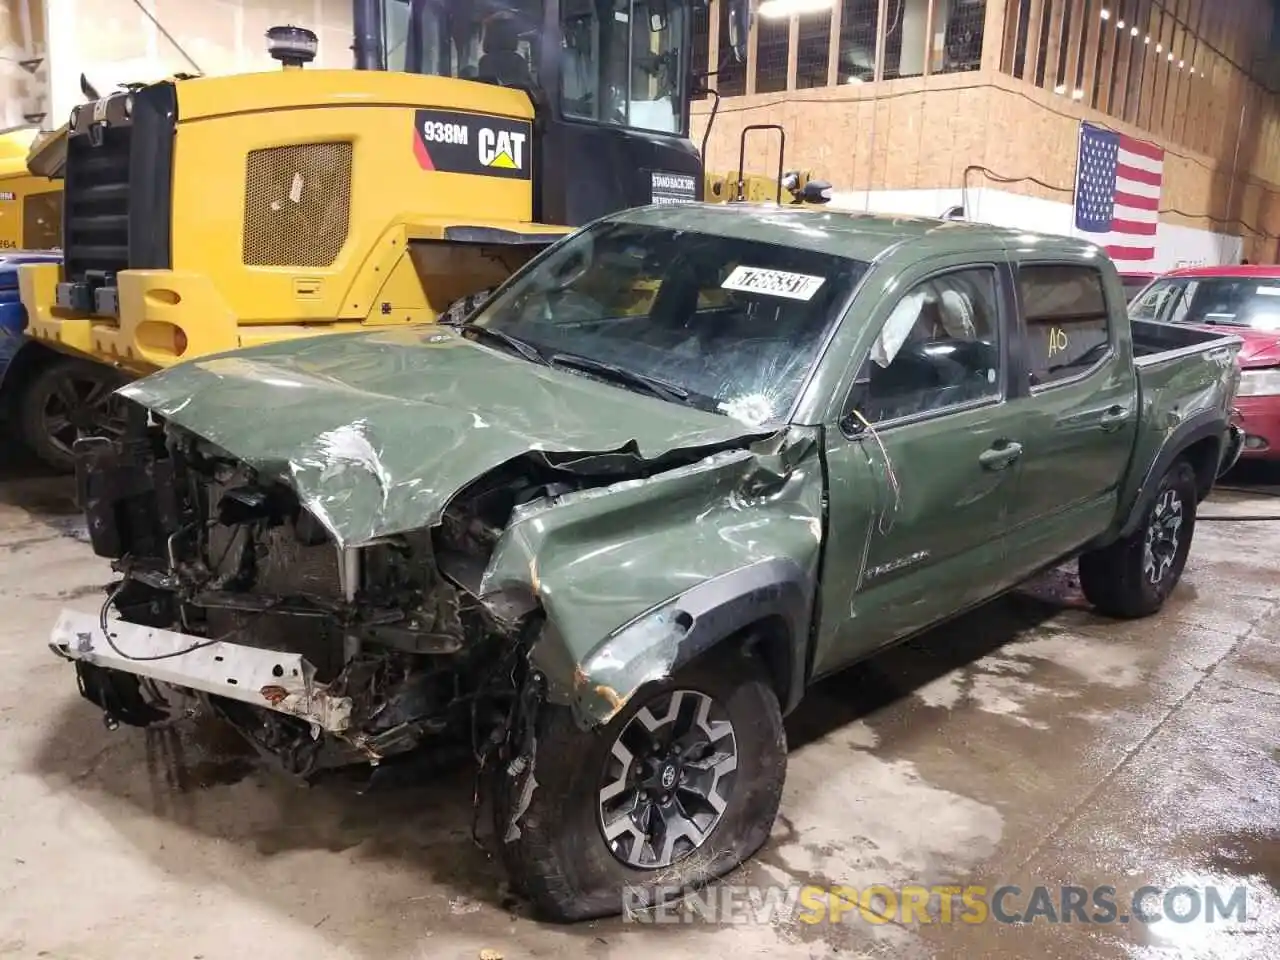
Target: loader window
493 41
735 324
623 62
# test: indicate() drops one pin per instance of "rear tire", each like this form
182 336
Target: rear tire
1133 576
555 849
67 399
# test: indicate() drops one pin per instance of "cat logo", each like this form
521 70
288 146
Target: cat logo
448 141
503 149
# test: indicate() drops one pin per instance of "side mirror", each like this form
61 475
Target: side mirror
851 424
739 27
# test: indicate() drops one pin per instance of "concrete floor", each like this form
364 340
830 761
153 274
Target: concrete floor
1031 743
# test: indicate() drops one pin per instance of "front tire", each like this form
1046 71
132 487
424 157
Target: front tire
607 812
1133 577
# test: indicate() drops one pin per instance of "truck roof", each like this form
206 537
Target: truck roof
842 233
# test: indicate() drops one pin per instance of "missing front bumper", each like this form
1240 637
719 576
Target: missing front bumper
272 679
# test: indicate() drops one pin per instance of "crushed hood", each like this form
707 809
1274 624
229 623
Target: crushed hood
378 431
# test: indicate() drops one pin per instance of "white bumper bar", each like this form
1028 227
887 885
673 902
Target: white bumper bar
284 682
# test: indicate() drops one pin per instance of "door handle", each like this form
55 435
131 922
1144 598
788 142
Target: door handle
1113 418
1000 456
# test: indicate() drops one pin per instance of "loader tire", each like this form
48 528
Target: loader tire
67 399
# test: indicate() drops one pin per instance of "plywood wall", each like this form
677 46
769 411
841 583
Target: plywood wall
924 133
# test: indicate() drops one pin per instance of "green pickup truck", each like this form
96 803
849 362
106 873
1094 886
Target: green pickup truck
604 533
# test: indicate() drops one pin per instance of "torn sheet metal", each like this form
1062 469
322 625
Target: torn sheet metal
521 770
279 681
378 431
600 560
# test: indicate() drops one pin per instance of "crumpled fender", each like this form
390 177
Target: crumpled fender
637 578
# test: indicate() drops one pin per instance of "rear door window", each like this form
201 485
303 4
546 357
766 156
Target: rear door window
1064 308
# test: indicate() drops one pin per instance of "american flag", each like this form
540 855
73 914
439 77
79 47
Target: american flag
1118 194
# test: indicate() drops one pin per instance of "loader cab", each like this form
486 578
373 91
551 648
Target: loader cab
610 81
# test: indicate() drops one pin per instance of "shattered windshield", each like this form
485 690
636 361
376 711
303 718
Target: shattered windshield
720 323
1229 301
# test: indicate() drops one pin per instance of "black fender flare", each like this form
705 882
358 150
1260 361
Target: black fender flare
1202 426
775 594
775 591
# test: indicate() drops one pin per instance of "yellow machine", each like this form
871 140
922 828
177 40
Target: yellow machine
799 186
30 206
207 214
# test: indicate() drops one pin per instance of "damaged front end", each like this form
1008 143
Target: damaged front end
234 598
537 577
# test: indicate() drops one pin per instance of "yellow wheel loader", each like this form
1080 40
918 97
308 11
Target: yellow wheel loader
206 214
30 206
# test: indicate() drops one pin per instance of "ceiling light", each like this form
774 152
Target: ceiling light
1120 25
1133 32
782 9
1159 48
1106 14
1147 38
1171 57
1181 64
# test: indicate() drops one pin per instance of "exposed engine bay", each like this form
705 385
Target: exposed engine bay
394 631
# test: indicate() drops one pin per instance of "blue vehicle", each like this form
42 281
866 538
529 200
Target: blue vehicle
13 319
46 398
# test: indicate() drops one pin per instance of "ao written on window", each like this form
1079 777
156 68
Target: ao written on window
1068 326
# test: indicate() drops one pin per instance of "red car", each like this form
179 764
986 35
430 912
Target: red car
1135 283
1245 299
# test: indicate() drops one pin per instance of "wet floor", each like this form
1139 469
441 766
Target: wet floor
1029 745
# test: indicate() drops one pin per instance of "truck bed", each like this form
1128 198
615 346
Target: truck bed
1154 343
1180 379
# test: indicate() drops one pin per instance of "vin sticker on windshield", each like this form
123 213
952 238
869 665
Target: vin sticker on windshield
774 283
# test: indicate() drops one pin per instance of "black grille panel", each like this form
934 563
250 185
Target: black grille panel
117 193
96 202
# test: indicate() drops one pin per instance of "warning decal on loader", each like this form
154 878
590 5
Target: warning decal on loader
474 143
